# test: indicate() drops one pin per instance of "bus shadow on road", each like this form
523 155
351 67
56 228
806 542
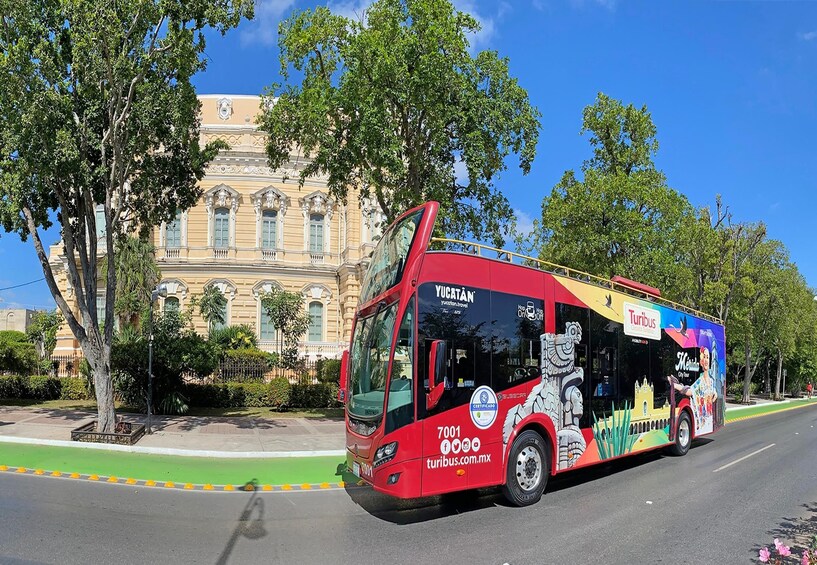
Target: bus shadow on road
404 512
595 472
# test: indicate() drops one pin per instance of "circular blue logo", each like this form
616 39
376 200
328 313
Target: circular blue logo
483 407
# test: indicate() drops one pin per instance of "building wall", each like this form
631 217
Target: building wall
17 319
240 180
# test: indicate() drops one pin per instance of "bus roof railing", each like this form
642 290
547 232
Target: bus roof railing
560 270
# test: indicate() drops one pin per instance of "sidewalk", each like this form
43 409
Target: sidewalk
188 435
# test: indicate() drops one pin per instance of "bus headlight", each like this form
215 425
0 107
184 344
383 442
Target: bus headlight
385 454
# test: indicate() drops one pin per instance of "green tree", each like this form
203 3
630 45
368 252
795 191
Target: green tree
286 312
99 128
42 332
619 217
393 105
212 307
137 274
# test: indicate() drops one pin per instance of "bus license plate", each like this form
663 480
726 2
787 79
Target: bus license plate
356 468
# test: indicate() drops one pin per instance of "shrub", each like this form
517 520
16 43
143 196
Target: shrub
328 370
279 392
74 389
44 388
13 386
321 395
234 337
246 365
251 395
17 354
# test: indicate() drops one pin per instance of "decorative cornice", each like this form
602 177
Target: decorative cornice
270 198
317 203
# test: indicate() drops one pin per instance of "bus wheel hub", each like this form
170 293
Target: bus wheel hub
528 468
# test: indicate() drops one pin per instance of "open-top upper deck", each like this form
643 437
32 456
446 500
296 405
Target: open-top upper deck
477 249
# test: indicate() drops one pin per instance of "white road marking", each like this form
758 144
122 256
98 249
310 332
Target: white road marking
743 458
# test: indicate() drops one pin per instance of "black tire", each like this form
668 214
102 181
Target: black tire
683 435
528 469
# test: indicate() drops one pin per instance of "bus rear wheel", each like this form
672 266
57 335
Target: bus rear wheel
683 435
528 469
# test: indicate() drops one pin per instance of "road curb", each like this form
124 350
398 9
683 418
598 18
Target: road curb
786 409
170 485
175 452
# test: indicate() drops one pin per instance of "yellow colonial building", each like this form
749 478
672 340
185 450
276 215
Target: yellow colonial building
254 229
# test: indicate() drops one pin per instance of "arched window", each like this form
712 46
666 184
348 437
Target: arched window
316 233
269 229
171 304
221 232
315 321
173 232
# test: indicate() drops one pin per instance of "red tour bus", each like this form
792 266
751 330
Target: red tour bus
467 371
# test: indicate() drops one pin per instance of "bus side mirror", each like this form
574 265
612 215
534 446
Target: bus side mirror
436 373
344 377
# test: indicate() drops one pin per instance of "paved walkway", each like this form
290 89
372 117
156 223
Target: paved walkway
202 435
215 435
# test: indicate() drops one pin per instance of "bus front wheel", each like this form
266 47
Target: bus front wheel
683 435
528 469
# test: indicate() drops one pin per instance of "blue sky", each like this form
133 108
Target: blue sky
731 86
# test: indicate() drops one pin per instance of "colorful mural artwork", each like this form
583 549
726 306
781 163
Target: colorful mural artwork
694 373
558 395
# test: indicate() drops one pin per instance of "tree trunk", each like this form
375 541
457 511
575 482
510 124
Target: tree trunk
779 374
747 377
767 387
100 363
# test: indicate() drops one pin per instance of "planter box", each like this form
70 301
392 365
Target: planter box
130 434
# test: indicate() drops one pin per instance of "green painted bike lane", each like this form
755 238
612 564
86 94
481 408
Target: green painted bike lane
225 471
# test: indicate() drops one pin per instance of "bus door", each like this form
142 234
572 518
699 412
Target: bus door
454 360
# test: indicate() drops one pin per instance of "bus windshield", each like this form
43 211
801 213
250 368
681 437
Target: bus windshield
389 257
371 344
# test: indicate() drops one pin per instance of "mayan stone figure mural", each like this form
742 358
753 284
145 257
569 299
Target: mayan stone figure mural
558 395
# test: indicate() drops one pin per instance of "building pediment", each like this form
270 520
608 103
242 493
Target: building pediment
317 203
221 196
270 198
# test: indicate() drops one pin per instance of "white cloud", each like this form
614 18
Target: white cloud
808 36
263 29
539 5
487 22
351 9
524 223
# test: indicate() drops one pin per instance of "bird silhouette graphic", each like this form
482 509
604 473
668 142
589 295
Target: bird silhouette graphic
609 302
683 330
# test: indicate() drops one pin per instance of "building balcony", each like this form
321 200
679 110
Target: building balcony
310 350
221 253
269 254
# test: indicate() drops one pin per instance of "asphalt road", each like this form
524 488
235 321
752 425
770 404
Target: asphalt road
648 509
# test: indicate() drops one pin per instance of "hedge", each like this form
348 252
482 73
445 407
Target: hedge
328 370
43 388
278 393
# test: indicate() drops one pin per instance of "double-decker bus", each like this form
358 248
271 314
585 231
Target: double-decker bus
468 369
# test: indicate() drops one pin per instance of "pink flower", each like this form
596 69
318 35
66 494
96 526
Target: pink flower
777 544
805 560
784 550
764 555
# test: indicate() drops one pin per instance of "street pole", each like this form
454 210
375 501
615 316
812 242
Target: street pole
160 290
150 362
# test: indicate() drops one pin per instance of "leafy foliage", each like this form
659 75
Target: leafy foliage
17 354
230 338
99 127
42 331
177 350
212 306
286 312
137 274
394 105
